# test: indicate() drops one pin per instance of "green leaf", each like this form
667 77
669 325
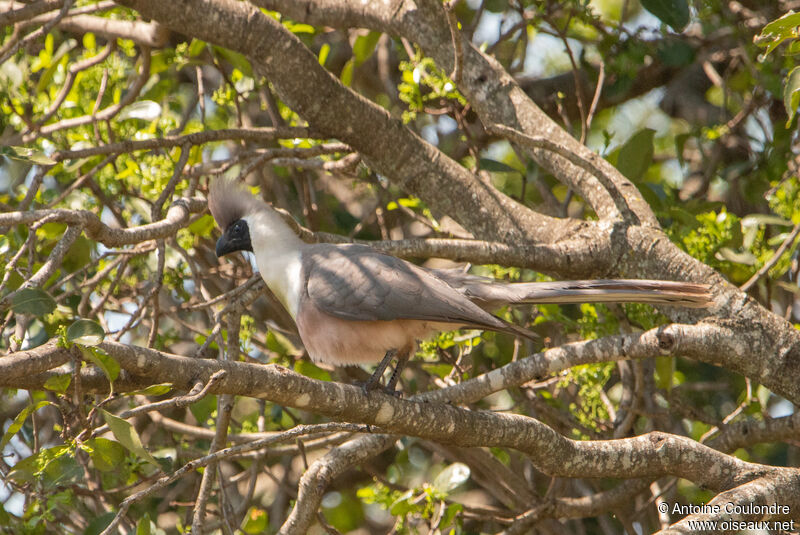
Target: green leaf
25 154
99 523
401 505
78 255
58 60
410 202
56 465
684 217
143 526
236 59
33 301
128 437
451 477
280 344
89 41
19 421
674 13
106 454
347 72
792 288
496 167
791 94
665 369
196 47
364 46
299 27
58 383
203 226
495 6
309 369
153 390
146 110
52 230
324 50
636 154
778 31
680 143
765 219
204 408
5 518
676 53
255 521
102 360
85 332
786 25
763 394
726 253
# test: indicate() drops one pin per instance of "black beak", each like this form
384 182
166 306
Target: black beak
235 238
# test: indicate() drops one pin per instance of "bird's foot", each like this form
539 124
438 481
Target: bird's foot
369 386
393 392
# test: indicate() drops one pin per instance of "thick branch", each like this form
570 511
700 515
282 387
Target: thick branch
494 94
761 345
177 217
142 33
34 361
591 244
651 455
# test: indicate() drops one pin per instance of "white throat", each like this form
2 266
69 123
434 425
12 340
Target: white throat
278 256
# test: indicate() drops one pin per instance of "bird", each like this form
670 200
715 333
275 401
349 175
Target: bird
353 304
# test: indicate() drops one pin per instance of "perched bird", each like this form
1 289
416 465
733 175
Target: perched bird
353 304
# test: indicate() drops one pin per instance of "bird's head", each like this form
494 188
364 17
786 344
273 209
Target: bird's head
247 223
232 208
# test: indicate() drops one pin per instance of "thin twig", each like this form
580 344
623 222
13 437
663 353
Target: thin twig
538 142
455 38
601 79
43 30
229 452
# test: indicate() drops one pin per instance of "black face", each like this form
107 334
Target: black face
235 238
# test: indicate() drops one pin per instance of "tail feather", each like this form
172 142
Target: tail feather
491 294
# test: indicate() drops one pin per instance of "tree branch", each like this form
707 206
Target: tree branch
385 143
177 217
16 12
34 361
196 138
650 455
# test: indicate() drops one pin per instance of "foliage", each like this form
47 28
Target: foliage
424 83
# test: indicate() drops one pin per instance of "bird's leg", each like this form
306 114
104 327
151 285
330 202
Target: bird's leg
402 359
374 381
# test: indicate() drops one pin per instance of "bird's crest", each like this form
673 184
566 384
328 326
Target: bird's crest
229 202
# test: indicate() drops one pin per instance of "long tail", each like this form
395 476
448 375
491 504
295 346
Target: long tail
489 294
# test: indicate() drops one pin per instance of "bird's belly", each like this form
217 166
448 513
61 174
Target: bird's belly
340 342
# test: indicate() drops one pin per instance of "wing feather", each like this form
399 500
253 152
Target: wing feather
355 282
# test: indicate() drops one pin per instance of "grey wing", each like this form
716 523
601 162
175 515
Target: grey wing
358 283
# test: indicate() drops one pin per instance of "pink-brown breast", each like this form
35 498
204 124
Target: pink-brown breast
340 342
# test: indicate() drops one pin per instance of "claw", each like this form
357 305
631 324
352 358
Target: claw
369 386
392 392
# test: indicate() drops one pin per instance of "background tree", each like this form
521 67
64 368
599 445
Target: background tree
530 139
